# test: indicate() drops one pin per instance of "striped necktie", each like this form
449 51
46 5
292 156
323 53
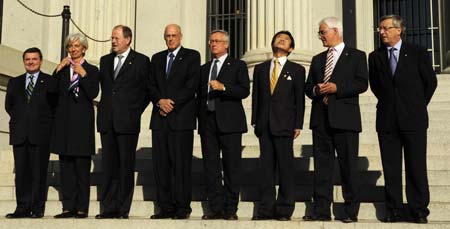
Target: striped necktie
274 76
328 70
75 81
30 88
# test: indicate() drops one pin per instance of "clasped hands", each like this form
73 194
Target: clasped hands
165 106
325 88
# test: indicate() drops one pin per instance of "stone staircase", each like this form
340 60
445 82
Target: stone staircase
369 165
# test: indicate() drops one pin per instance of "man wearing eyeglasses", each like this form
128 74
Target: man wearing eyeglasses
223 85
403 80
175 72
336 78
278 105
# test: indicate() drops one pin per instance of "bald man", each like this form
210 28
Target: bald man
174 77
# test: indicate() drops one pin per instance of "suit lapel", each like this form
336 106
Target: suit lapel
177 61
342 62
322 59
282 77
126 65
224 69
22 85
266 76
402 55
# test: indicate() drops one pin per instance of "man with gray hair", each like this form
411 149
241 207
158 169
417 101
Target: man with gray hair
335 80
403 91
223 85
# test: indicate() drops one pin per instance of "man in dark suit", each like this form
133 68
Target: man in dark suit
403 80
124 77
278 105
221 118
30 102
174 78
335 80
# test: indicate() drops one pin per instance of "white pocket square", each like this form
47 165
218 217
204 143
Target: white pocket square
289 78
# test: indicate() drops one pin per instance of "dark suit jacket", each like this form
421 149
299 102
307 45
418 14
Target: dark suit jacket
402 98
283 111
74 121
230 115
180 86
351 78
124 99
32 121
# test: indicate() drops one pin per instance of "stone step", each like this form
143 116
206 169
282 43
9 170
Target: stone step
303 193
249 175
252 151
439 162
195 223
368 211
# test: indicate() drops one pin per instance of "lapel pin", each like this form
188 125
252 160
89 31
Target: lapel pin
181 58
346 53
42 81
228 63
406 54
129 62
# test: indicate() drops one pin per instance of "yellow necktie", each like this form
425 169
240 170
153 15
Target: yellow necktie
274 76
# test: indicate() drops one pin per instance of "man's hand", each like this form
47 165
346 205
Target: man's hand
166 105
162 113
296 133
327 88
216 85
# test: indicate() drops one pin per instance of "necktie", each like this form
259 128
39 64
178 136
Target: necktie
328 70
274 76
74 84
392 60
74 81
119 65
169 65
211 103
30 88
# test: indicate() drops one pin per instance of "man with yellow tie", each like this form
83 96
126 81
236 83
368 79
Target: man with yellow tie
278 106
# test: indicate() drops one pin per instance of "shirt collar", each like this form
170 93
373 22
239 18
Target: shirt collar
282 60
125 54
398 45
175 52
339 47
35 75
222 58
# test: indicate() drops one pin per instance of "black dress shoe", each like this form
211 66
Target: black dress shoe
181 216
213 216
162 215
64 215
17 215
283 218
81 215
106 216
349 220
232 216
123 217
421 219
316 218
393 218
36 215
261 217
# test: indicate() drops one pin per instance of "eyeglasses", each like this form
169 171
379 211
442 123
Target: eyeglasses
382 28
215 41
323 32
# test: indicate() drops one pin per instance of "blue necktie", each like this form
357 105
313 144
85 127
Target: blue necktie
392 60
169 66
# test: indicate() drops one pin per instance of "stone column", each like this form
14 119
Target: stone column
266 17
97 18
